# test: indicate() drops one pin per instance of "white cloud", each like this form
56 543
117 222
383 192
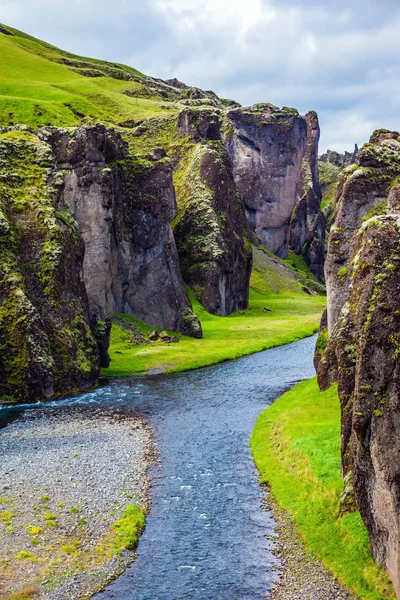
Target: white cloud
341 61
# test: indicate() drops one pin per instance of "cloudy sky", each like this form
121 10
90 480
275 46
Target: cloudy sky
340 60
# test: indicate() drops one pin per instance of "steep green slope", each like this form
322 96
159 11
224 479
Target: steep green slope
42 85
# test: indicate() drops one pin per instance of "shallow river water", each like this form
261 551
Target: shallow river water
207 534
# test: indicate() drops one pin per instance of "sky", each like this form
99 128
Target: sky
341 60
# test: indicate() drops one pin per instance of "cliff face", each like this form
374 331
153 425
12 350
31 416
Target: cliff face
123 205
274 156
307 223
361 192
210 230
47 343
362 352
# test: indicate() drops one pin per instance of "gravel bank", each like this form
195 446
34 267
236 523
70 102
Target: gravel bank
303 576
66 476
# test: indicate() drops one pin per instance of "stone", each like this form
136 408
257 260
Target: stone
123 205
154 336
363 348
274 155
211 231
362 190
48 344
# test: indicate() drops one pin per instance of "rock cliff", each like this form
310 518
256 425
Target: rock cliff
362 351
123 204
47 344
274 154
361 193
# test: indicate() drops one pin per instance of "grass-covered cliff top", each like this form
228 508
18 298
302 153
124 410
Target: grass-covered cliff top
43 85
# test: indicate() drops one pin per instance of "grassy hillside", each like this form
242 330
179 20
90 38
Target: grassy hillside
296 446
280 312
42 85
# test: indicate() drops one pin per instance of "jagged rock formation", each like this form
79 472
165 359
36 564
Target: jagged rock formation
361 193
211 231
274 156
363 348
307 223
339 160
330 166
123 205
47 345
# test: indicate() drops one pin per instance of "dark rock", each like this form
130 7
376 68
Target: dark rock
363 348
164 335
274 155
102 334
174 340
154 336
47 346
211 231
307 223
361 191
123 205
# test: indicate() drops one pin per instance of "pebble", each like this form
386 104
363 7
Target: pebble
94 461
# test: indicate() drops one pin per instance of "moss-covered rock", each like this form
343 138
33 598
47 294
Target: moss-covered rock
211 229
47 347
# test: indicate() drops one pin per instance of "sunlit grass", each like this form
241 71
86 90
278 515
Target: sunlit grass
296 447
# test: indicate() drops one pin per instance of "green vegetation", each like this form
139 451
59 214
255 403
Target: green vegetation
376 211
63 89
279 313
296 446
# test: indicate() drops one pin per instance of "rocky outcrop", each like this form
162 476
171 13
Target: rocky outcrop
307 223
47 345
274 156
361 193
363 348
339 160
123 205
211 230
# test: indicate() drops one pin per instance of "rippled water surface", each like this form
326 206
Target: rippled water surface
206 535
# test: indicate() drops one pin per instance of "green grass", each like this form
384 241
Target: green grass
42 85
292 317
296 447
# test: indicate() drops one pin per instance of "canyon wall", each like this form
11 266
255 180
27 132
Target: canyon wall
48 344
363 348
123 205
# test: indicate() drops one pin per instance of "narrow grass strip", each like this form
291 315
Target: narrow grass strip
296 447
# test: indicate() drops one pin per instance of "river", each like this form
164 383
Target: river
207 535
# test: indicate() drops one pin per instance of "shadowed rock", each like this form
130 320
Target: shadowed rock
123 205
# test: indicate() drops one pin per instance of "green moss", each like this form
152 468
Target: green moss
343 274
296 446
377 210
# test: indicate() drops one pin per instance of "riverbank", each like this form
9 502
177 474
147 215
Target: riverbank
73 499
302 575
296 447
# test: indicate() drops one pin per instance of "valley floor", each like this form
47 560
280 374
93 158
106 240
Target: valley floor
296 447
271 320
73 503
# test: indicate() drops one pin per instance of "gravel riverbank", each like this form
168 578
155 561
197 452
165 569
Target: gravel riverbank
302 576
66 476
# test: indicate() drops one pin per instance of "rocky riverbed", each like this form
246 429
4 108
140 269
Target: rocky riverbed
66 476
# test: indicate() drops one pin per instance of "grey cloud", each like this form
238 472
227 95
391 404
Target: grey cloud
341 61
